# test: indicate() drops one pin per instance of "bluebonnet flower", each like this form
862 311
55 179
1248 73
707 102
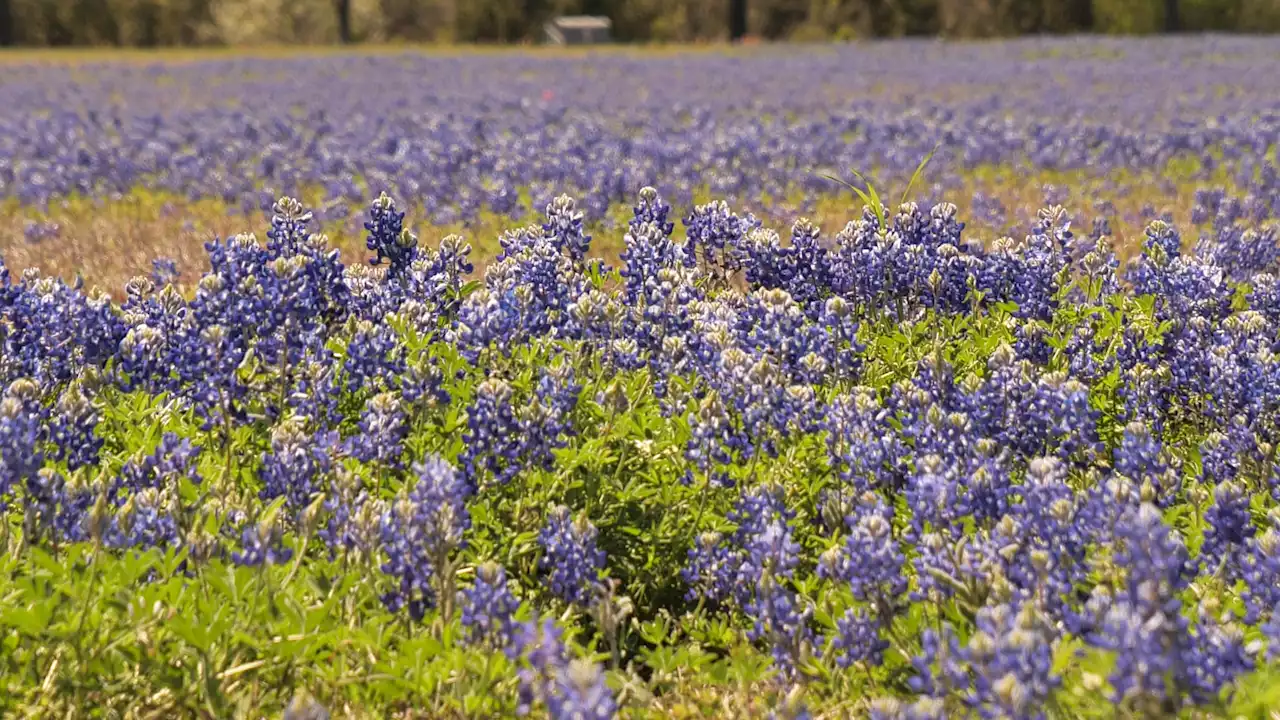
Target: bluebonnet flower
802 269
528 293
174 458
382 430
422 384
261 543
1045 543
1009 659
770 552
772 324
571 689
54 330
1219 459
870 560
936 496
1230 527
370 294
711 570
21 436
489 319
355 519
1184 287
1032 343
1261 574
840 324
211 360
1243 252
145 356
564 225
1264 296
388 236
45 492
322 268
937 669
1216 657
1101 228
72 428
295 313
166 313
861 445
295 466
373 357
70 502
142 522
780 619
715 237
35 231
487 607
492 443
1100 268
946 566
1143 625
1147 395
579 692
419 532
598 317
1029 273
164 271
857 640
756 510
1141 458
651 208
646 253
545 424
316 389
540 644
570 556
764 408
442 278
713 437
289 221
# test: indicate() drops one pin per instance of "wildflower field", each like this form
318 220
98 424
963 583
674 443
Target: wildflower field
571 386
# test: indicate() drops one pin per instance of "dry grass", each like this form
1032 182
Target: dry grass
106 242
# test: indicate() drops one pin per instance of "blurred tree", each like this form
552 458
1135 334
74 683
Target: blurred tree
344 21
6 24
737 19
185 22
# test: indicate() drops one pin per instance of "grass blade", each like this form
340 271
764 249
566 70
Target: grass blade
906 192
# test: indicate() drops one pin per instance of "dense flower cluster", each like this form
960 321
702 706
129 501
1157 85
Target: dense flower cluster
467 133
892 456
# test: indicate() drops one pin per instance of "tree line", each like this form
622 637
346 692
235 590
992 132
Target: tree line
152 23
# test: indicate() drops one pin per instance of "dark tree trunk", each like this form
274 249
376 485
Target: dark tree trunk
1171 23
737 19
344 21
6 24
